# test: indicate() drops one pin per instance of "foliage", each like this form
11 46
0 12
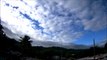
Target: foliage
105 46
25 45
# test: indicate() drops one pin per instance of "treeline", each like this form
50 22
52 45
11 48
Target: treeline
15 50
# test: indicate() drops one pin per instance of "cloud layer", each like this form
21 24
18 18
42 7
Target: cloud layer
61 21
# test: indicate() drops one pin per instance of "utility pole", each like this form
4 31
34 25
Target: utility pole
61 51
94 48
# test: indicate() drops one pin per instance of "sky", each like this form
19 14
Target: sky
55 22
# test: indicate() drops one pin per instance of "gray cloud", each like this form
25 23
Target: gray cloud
95 25
9 33
94 16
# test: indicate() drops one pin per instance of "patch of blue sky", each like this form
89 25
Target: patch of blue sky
15 7
87 38
35 22
26 16
7 4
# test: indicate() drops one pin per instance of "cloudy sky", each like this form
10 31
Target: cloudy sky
55 22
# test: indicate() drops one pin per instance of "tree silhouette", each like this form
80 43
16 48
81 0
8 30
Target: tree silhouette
25 42
25 45
105 46
1 32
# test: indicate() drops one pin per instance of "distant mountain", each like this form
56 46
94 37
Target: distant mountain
55 44
76 46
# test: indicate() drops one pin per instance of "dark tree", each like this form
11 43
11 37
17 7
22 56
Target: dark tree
106 46
7 46
25 42
25 45
1 32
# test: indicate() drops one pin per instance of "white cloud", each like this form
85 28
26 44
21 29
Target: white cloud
59 20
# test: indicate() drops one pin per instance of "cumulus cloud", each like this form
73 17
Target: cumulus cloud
56 21
94 16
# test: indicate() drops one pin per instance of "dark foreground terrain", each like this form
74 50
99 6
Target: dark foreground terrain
11 49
